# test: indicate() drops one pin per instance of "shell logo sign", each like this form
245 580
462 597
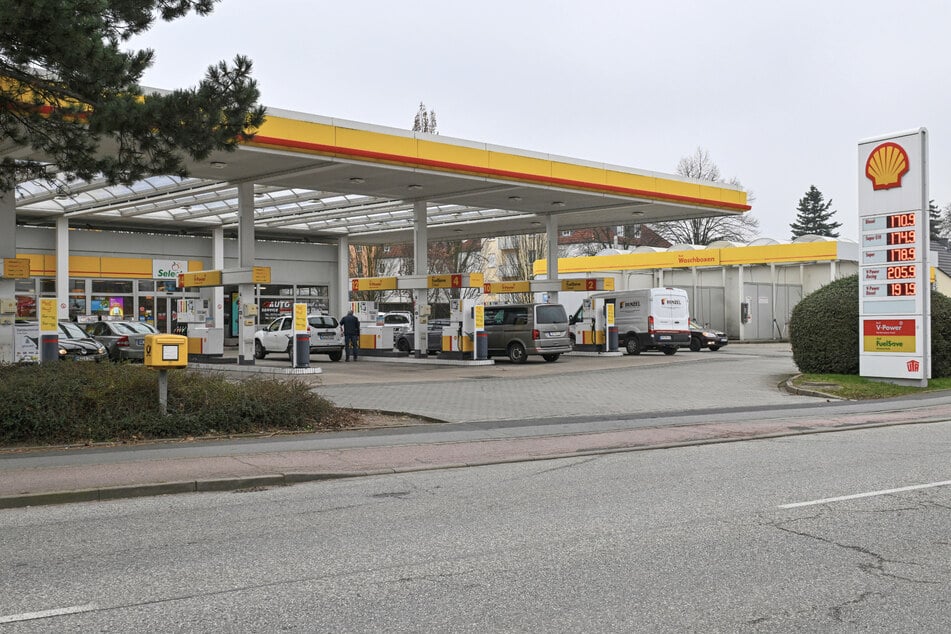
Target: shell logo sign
886 165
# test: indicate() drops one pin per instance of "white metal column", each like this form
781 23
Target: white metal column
8 249
62 268
551 231
343 278
421 267
247 311
218 263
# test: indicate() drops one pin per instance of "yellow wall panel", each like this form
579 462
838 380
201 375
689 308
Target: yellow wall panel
455 154
83 265
37 266
519 164
578 173
193 265
126 267
630 181
299 131
376 142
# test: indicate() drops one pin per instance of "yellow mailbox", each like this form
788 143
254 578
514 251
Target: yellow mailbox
166 351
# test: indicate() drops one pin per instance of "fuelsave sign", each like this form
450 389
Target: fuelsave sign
894 292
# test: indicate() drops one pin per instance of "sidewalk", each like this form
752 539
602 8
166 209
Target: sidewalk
97 475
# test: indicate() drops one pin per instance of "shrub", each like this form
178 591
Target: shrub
75 402
824 330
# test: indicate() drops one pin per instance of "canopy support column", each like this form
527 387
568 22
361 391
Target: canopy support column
8 249
218 263
421 267
62 268
247 306
343 277
551 230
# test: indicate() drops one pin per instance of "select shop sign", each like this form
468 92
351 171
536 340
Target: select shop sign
168 269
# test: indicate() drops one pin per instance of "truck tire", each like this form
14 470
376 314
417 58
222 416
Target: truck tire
632 345
259 351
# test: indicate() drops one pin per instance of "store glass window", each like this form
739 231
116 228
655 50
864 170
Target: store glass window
276 290
112 305
112 287
47 286
146 286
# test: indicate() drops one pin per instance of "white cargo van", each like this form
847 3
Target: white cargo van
647 318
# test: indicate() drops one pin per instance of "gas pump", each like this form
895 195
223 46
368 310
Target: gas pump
596 329
453 333
473 339
196 323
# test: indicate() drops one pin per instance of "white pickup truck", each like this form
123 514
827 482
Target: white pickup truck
277 336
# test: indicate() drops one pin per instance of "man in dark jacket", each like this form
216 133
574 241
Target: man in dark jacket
351 334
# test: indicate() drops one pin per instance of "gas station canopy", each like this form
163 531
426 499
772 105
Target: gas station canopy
319 179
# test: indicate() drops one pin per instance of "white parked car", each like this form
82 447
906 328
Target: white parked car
277 336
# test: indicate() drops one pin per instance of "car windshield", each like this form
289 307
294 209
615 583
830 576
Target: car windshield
72 331
134 327
695 324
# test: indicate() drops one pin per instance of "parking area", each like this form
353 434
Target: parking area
576 386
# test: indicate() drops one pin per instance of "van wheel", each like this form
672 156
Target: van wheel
695 344
633 346
259 351
335 356
402 345
714 348
669 350
517 352
551 358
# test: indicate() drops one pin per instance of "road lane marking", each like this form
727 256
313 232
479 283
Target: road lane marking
866 495
45 614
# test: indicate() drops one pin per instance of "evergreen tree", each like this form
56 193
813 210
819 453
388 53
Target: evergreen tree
71 93
814 216
935 221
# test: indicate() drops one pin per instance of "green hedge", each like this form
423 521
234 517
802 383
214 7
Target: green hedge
66 402
824 330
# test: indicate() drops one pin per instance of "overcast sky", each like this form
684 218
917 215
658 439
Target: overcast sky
779 93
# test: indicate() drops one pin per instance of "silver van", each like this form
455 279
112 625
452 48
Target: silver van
518 330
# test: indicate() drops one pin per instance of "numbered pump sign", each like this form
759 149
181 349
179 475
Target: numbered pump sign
894 291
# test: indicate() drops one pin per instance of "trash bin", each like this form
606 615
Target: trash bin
482 345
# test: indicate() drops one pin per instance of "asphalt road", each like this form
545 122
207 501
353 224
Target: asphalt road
688 539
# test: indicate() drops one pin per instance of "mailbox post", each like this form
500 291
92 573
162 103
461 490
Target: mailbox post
163 352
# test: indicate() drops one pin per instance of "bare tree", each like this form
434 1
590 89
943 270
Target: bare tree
519 260
454 256
367 261
739 228
425 120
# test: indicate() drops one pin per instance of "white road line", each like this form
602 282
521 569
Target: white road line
866 495
30 616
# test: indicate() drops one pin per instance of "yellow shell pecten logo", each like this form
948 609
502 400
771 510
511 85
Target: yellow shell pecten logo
886 165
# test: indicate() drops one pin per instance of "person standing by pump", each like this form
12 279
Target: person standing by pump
351 334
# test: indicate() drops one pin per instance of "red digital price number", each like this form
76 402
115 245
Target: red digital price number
902 237
906 254
900 221
902 289
902 272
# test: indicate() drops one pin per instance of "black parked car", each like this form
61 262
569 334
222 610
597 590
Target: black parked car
705 337
76 345
405 341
